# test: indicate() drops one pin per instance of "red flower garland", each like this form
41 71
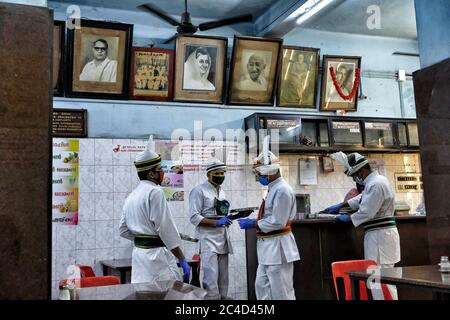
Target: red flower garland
338 88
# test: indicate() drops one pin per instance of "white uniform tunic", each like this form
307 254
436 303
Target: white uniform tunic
146 212
215 243
274 278
377 201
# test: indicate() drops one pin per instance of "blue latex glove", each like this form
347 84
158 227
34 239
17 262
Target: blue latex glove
343 218
186 270
334 209
247 223
224 222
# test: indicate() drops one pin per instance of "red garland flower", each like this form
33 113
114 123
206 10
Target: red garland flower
338 88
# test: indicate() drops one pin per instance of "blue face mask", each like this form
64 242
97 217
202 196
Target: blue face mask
264 180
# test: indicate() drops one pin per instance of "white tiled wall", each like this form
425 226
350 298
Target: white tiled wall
106 178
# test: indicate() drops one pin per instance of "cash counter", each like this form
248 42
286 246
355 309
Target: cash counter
323 241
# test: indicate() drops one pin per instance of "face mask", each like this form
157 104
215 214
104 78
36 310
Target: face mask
264 180
218 180
161 177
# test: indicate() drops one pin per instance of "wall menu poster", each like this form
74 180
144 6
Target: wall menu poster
173 183
65 175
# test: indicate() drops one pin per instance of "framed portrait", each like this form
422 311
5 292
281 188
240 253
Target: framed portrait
340 82
151 74
298 81
58 57
98 60
200 65
254 70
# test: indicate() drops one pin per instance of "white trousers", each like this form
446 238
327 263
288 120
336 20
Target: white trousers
275 282
214 272
151 265
377 293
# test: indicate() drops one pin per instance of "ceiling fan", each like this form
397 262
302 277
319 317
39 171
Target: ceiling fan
185 26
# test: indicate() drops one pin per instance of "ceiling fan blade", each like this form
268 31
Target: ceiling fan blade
159 13
170 39
225 22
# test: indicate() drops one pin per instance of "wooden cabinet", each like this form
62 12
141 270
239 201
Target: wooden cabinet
322 134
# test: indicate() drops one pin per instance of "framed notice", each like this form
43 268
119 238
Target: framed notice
69 123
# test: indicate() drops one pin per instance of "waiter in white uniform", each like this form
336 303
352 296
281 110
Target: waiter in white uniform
147 221
208 209
276 246
375 213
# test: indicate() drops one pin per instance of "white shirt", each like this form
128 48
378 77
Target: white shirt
201 205
106 71
279 208
146 212
376 201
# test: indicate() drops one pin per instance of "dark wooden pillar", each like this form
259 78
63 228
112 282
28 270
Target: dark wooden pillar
432 91
25 151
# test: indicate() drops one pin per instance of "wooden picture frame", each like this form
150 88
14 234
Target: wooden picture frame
98 60
200 67
298 81
151 74
256 87
59 29
347 75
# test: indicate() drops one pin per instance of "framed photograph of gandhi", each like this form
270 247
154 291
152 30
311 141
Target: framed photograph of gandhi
58 57
340 83
200 65
254 70
98 60
298 81
151 74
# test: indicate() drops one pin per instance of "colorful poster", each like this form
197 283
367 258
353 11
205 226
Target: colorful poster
173 180
65 181
174 194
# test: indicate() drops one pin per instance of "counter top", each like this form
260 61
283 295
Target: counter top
321 221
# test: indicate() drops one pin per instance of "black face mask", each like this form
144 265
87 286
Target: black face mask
218 179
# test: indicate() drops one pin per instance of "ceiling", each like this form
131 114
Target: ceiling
347 16
208 9
398 18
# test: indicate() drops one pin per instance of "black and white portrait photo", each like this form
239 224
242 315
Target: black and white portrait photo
345 76
99 58
199 68
255 68
340 93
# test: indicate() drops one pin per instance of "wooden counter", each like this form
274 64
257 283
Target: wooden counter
323 241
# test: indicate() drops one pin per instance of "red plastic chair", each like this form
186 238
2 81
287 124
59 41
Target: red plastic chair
339 269
86 271
92 281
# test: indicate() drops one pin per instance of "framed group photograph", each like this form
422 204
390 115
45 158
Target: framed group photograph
98 60
200 66
298 81
151 74
340 83
254 70
58 57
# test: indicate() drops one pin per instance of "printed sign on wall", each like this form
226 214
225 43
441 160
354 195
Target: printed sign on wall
65 181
